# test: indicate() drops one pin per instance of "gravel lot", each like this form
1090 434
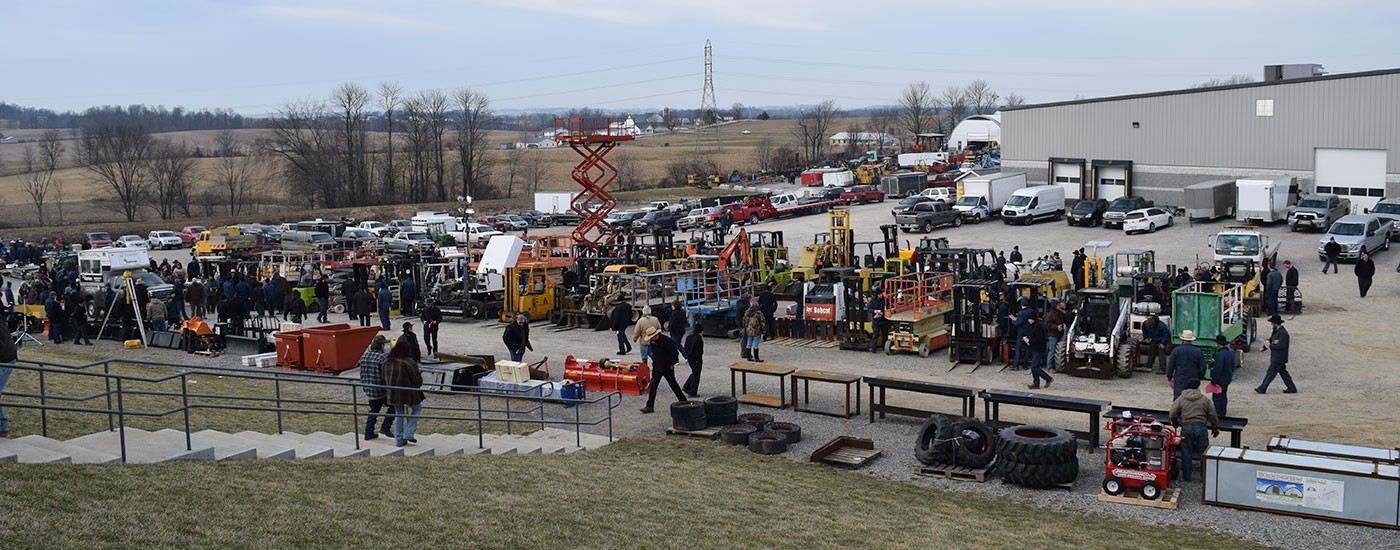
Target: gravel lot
1339 362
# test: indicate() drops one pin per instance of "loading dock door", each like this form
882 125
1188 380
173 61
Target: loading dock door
1110 181
1068 174
1357 174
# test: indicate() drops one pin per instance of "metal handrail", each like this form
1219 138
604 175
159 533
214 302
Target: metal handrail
280 405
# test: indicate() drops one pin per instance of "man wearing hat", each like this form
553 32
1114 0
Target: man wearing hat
1035 348
372 379
1222 371
1018 321
1277 346
408 338
1185 364
664 357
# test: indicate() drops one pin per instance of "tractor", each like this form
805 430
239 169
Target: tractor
1096 343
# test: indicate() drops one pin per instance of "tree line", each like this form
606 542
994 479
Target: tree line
153 118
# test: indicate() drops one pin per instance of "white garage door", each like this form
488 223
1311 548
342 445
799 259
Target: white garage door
1357 174
1111 181
1068 177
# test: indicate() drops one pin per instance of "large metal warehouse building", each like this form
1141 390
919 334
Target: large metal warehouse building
1336 133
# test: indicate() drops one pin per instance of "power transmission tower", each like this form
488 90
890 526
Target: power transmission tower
709 111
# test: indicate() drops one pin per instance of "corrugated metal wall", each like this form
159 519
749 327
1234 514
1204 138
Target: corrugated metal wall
1217 128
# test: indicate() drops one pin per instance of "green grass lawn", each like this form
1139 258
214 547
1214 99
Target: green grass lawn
647 493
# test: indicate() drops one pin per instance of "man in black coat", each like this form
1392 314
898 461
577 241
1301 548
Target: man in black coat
408 338
677 323
1365 270
620 317
1290 292
1076 269
432 319
664 357
1332 249
323 296
695 355
1277 346
362 306
517 337
768 303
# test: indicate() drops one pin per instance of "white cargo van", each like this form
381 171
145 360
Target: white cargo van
1028 204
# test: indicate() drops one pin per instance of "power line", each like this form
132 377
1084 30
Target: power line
968 71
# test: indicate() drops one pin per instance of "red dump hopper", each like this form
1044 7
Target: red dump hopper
289 349
335 348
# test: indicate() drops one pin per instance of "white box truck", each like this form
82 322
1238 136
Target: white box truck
981 197
553 203
910 160
839 178
1264 200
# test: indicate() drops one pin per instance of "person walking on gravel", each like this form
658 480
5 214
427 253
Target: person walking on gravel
664 359
754 329
517 337
1365 270
620 317
1332 249
1185 364
695 356
1277 346
1222 372
1035 344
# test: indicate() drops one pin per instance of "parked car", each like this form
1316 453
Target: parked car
1389 209
1357 232
863 194
131 241
566 217
945 195
396 226
1146 219
477 232
355 237
1119 208
378 228
536 218
1318 211
623 219
697 218
160 240
190 233
97 239
1087 212
654 220
513 222
408 241
828 194
927 214
907 203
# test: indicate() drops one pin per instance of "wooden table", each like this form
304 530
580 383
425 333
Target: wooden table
807 376
740 388
993 399
883 383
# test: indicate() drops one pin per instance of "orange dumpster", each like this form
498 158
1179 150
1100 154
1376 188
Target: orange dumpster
335 348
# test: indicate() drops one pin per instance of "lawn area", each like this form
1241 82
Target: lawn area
636 493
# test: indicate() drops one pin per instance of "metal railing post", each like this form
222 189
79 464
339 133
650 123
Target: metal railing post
355 415
277 387
43 402
508 416
480 425
185 405
578 437
121 420
107 381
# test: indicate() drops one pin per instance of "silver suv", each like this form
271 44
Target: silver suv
1318 211
1355 233
1389 209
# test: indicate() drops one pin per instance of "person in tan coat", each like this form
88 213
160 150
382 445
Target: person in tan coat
1193 411
648 321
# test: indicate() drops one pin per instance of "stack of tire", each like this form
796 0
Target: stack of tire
688 416
741 431
965 442
1036 456
721 410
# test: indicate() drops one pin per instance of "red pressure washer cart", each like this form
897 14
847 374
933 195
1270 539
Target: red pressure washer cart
1141 454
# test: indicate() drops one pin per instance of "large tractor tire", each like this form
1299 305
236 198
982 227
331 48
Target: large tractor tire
934 445
757 420
793 432
768 443
688 416
1036 444
1061 355
1126 359
1038 476
737 434
976 443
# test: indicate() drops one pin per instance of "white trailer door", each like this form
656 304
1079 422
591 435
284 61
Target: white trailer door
1067 176
1358 174
1111 180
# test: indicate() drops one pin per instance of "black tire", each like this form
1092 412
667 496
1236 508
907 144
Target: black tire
721 405
757 420
1038 476
792 431
768 443
690 424
721 419
957 221
976 443
474 310
1061 355
1036 444
737 434
1113 486
687 410
934 445
926 227
1125 360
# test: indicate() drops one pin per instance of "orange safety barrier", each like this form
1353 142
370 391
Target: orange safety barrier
918 290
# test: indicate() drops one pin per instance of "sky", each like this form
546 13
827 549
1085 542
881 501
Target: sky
255 56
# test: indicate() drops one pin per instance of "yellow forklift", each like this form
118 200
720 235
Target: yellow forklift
533 289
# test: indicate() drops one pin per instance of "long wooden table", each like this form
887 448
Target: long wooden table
879 405
807 376
993 399
739 383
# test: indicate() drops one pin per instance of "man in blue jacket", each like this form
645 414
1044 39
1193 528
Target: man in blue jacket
1023 330
386 300
1222 372
1156 338
1278 358
1185 364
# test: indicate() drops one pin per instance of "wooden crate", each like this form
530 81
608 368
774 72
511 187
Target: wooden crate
846 452
707 433
1171 498
960 473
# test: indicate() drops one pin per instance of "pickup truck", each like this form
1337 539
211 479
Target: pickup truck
1318 211
698 218
1357 233
1119 208
408 241
925 215
378 228
654 220
863 194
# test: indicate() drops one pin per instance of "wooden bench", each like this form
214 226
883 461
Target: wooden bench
993 399
883 383
807 376
1232 424
739 383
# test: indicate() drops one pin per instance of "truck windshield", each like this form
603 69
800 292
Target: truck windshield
1348 229
1084 206
1237 245
1018 200
321 238
969 201
1312 203
1123 204
1392 208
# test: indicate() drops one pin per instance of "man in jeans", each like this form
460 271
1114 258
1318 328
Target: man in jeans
8 355
1055 323
1193 411
372 377
1332 249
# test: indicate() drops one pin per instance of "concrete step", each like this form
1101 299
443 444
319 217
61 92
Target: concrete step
143 447
226 446
262 451
445 445
412 449
78 455
566 438
17 451
349 440
491 446
340 450
525 445
300 450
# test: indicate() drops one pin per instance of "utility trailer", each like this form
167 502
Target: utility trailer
1210 199
1208 309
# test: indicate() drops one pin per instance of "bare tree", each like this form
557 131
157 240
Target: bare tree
1014 99
882 123
982 98
116 157
854 144
763 153
918 109
1236 79
352 109
472 144
737 110
534 170
954 103
39 168
171 171
389 102
629 171
678 171
813 126
305 142
515 161
235 171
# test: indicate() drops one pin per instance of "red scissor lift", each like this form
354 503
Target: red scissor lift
592 138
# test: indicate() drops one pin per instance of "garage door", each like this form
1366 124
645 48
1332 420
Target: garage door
1111 180
1068 176
1357 174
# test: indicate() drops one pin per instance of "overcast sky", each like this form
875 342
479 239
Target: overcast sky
256 55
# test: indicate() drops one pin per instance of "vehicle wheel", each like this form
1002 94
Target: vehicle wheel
977 218
904 229
1069 223
753 219
1293 228
1035 444
1150 491
976 443
889 346
733 333
1151 228
934 443
474 310
1112 486
1061 356
927 227
924 351
337 308
957 222
1125 360
882 199
1385 244
1038 476
315 307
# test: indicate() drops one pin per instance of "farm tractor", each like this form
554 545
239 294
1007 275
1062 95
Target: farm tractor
1096 343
